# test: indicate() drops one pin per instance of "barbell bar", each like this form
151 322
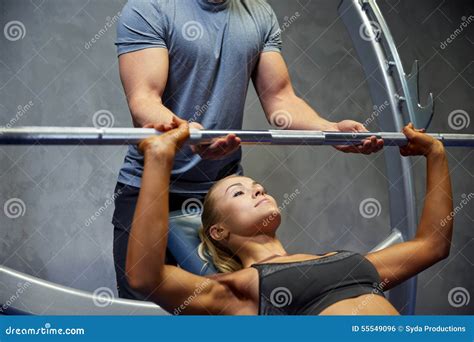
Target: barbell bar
42 135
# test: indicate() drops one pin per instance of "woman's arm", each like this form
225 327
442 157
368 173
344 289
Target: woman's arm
432 241
168 286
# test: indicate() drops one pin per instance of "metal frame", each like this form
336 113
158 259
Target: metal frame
41 297
379 57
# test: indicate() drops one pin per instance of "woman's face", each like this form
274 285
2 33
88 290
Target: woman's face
245 208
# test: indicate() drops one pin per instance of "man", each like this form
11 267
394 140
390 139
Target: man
195 59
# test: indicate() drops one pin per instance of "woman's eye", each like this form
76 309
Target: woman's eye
238 193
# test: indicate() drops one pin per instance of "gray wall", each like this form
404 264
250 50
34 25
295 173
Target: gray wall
58 81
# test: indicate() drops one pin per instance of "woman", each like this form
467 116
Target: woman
257 275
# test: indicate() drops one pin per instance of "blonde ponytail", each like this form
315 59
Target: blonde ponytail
209 249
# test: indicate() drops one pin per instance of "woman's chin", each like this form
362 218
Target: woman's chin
270 221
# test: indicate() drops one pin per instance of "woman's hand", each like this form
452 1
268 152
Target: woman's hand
419 143
166 144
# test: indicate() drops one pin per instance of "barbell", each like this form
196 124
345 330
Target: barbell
125 136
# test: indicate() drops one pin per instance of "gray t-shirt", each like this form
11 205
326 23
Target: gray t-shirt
213 50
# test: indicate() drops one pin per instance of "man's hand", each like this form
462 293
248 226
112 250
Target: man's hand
218 148
368 146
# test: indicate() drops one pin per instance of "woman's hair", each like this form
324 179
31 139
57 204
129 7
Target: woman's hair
210 249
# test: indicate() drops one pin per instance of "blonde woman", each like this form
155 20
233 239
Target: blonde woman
257 275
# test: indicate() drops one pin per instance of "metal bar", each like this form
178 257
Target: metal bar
395 237
125 136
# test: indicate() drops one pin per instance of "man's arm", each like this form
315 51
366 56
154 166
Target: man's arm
284 109
273 85
144 74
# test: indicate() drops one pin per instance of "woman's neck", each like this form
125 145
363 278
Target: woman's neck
259 248
271 257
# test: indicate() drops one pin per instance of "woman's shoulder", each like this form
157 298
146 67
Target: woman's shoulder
242 285
230 276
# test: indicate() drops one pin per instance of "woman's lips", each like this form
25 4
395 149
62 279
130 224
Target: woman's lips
261 201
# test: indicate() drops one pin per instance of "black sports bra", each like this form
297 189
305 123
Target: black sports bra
308 287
